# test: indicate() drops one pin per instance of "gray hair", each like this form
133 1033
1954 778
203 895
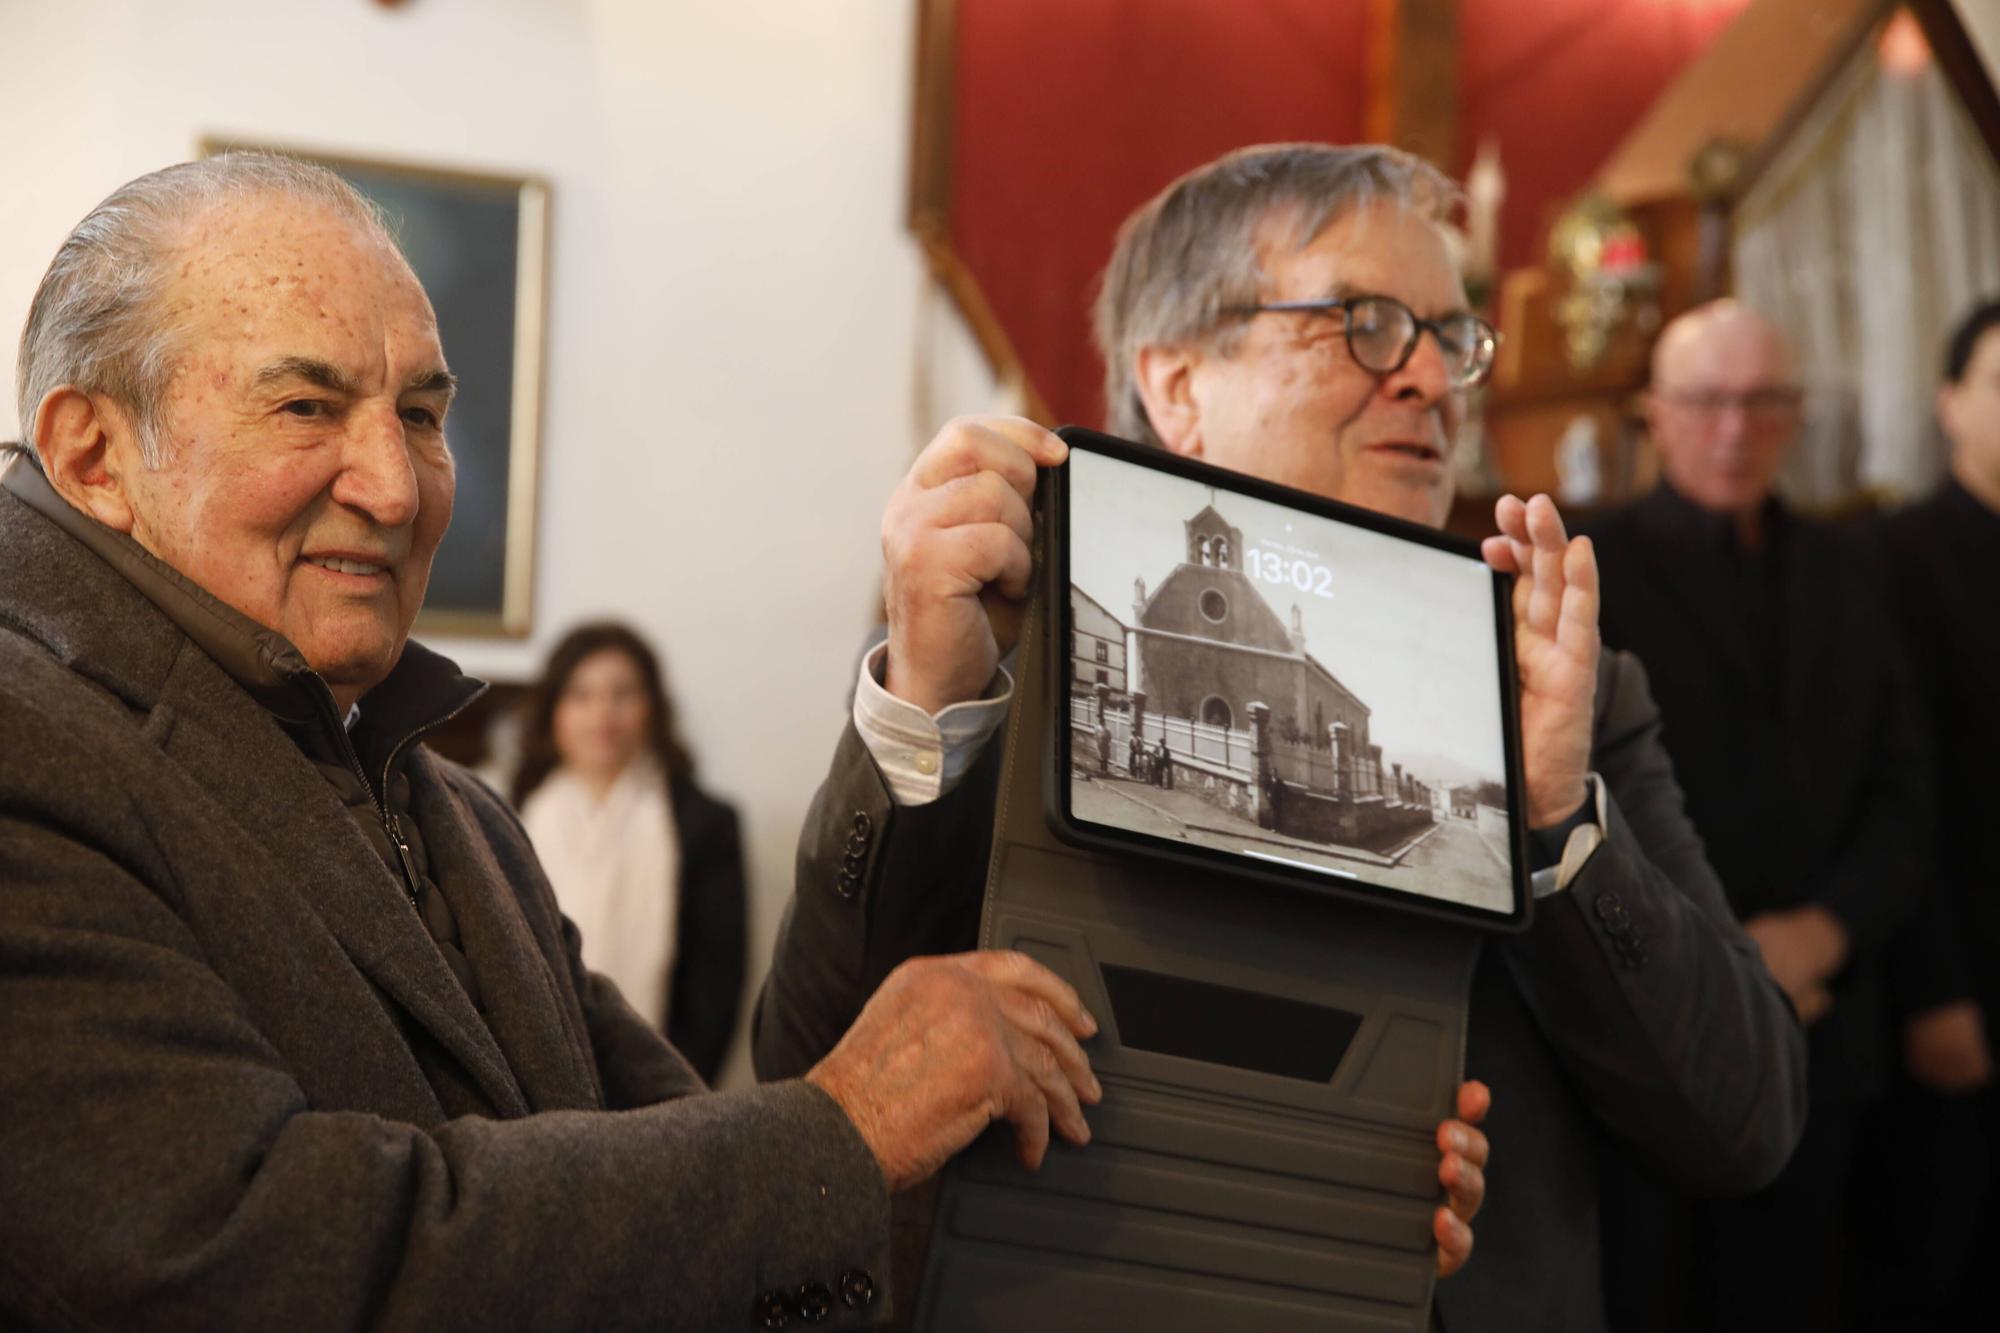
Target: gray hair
1190 252
97 322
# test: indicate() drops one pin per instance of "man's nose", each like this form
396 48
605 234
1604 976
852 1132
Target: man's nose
1426 375
1731 421
376 476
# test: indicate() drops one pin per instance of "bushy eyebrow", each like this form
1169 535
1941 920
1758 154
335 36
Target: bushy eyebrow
439 380
325 375
320 374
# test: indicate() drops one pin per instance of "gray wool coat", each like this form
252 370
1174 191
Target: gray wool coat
227 1043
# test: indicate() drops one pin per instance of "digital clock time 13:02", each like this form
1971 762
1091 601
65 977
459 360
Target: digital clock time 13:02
1304 575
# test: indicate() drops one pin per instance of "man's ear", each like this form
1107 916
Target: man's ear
87 445
1649 411
1165 379
1946 402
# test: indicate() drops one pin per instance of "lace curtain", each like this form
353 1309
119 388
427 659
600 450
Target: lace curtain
1875 230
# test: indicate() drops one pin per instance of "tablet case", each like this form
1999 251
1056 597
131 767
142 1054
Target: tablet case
1274 1063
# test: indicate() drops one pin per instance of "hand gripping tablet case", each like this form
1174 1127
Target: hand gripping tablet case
1274 1063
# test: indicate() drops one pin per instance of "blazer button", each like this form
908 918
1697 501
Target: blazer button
773 1310
857 1289
847 884
815 1303
862 823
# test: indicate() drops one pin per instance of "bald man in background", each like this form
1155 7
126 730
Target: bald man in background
1788 714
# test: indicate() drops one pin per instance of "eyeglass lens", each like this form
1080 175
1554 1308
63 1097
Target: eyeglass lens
1769 402
1382 334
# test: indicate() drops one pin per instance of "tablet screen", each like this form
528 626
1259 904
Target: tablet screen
1264 679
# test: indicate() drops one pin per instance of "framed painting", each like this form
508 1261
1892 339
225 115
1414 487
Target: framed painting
479 245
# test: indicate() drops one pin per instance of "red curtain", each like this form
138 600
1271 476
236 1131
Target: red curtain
1070 113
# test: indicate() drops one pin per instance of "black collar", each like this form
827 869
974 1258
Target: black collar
1958 505
1693 527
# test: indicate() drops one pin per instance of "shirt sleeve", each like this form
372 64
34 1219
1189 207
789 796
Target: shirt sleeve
1574 842
922 755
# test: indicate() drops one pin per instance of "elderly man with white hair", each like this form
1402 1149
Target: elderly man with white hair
294 1035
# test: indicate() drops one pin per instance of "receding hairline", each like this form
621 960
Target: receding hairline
191 232
1690 330
107 315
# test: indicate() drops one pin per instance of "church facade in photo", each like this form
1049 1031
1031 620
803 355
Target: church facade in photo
1226 700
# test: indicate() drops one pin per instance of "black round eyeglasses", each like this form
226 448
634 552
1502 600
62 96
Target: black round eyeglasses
1382 334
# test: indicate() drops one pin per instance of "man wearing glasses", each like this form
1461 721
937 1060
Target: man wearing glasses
1792 730
1293 312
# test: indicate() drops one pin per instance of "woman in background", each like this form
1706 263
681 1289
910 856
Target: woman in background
648 866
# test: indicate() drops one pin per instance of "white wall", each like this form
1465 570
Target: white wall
732 295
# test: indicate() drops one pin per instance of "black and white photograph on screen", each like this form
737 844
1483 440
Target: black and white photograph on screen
1281 686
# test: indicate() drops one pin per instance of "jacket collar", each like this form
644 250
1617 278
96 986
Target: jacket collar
1968 511
1690 527
70 589
1688 551
421 691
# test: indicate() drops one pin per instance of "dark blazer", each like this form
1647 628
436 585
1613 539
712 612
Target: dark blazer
1666 1037
1788 713
1944 560
227 1043
706 989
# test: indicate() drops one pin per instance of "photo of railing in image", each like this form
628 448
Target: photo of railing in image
1303 765
1218 747
1312 767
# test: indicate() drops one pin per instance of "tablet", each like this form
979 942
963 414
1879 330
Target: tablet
1287 688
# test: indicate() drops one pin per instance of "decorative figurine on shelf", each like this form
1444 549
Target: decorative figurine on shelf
1612 280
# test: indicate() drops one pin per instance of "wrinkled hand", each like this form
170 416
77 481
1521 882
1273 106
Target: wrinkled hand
1803 948
956 558
1555 649
1462 1172
1945 1048
947 1046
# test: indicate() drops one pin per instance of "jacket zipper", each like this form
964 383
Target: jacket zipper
390 824
393 825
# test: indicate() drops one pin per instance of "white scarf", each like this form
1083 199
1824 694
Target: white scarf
615 865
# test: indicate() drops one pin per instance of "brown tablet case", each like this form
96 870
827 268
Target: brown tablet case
1275 1064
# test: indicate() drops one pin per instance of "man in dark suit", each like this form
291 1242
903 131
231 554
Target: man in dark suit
1793 731
294 1036
1293 312
1943 1125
